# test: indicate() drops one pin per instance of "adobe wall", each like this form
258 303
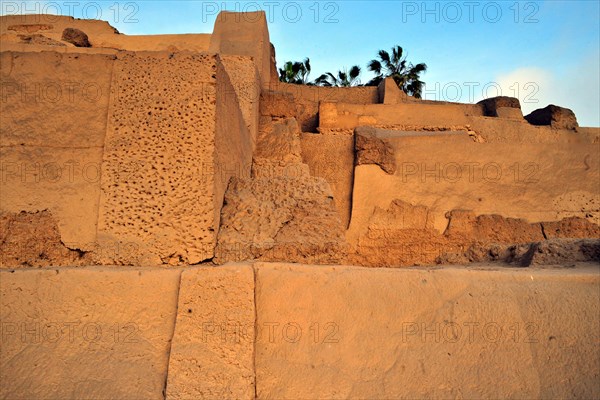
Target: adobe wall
248 331
405 203
302 101
449 170
346 116
429 162
187 42
101 35
341 117
52 25
332 157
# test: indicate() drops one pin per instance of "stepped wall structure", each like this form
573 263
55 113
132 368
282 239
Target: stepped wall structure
177 223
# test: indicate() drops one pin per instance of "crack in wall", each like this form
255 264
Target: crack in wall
164 391
255 273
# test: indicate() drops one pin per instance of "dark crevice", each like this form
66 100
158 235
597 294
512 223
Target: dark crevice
543 231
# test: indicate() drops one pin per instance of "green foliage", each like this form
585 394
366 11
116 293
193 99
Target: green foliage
405 74
342 79
395 65
295 72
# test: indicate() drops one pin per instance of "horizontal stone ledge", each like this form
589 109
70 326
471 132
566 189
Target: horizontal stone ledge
280 330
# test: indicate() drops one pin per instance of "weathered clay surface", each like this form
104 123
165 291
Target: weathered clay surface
344 114
447 171
372 149
40 39
491 228
77 37
33 240
564 252
279 140
405 234
341 332
86 333
29 28
555 116
571 227
277 104
493 104
280 218
212 354
278 150
63 181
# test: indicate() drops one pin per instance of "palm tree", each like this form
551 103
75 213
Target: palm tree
405 74
295 72
343 79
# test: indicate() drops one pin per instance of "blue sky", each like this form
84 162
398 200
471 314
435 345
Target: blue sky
540 51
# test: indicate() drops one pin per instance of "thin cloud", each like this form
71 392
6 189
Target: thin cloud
577 89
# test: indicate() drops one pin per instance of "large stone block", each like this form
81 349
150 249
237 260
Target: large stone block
50 159
86 333
159 157
244 34
345 332
175 136
212 355
47 96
